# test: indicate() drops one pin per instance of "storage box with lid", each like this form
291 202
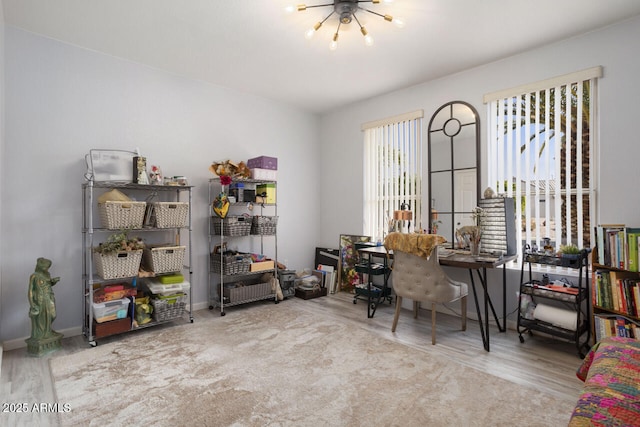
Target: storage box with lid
264 174
263 162
156 287
111 310
111 327
268 264
267 192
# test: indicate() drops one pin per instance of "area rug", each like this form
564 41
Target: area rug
284 365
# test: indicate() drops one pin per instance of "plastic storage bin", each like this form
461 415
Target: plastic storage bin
158 288
111 310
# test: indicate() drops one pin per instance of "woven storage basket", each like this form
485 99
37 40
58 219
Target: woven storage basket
170 307
171 214
264 225
164 259
121 215
232 225
231 264
118 265
248 293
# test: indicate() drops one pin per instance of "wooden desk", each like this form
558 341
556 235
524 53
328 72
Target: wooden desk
480 264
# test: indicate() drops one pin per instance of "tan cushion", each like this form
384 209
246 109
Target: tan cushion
422 279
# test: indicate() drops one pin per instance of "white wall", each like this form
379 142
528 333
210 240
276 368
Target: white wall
1 140
615 48
61 101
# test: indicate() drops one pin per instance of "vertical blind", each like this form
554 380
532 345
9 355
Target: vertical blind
541 151
392 171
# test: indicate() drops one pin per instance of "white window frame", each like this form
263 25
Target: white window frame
384 189
501 145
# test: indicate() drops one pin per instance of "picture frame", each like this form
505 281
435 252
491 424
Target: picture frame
349 257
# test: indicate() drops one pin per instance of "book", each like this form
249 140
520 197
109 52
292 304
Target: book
621 330
612 297
617 279
330 276
606 235
631 297
632 248
622 249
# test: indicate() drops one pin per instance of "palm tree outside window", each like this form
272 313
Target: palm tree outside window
541 152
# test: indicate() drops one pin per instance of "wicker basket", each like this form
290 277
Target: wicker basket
232 225
169 307
121 215
248 293
264 225
118 265
231 264
171 214
164 259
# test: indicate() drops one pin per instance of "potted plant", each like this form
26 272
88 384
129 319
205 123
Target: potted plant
119 242
119 256
570 255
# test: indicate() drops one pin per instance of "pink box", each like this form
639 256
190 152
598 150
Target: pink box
263 162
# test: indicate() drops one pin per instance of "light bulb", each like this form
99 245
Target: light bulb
398 22
368 40
290 9
311 31
334 43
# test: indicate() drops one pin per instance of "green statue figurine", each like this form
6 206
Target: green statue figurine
43 310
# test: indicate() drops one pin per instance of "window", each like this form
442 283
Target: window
392 172
541 152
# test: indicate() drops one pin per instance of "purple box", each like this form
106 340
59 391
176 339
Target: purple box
263 162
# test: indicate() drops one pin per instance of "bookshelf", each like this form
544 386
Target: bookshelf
616 282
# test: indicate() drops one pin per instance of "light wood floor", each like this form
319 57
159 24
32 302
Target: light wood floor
542 363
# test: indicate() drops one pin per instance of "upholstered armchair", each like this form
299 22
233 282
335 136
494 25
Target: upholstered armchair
417 275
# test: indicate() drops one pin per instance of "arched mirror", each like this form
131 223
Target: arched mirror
454 167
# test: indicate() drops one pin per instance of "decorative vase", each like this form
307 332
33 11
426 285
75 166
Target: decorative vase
474 247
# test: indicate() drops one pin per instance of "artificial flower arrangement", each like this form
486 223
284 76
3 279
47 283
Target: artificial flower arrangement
227 170
471 235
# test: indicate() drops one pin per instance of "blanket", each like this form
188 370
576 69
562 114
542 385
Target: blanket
611 394
415 244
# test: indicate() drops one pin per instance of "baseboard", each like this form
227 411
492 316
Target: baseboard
21 343
70 332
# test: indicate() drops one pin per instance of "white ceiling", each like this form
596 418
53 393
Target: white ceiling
254 46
